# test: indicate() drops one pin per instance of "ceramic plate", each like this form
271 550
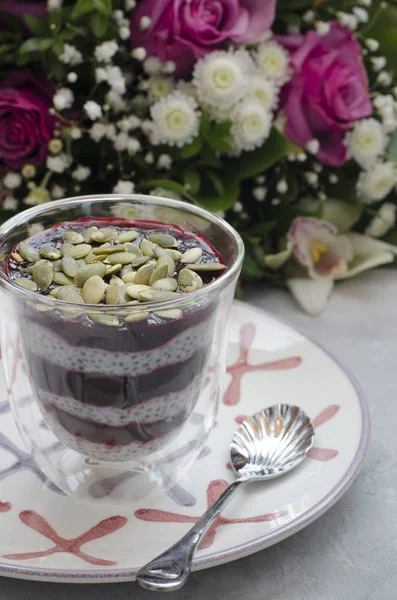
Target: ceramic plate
48 536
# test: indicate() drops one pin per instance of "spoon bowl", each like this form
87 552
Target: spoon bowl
267 445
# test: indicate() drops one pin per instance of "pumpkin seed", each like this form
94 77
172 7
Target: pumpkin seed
69 266
104 235
108 249
114 280
166 284
113 269
171 313
28 269
163 239
55 291
79 251
126 236
26 284
28 252
43 273
62 279
93 290
143 274
69 294
189 281
159 272
158 251
139 261
147 248
139 316
129 277
91 258
43 308
191 256
156 295
124 258
72 237
126 269
113 294
65 247
87 233
175 254
133 249
134 290
81 261
17 257
165 259
57 264
209 266
109 320
88 271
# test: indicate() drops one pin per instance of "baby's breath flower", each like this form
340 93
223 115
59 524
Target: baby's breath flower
35 228
72 77
169 67
282 186
59 163
105 51
309 16
139 53
113 76
54 5
12 180
333 178
149 158
251 124
70 55
63 98
117 103
129 123
349 21
187 88
145 23
384 79
129 4
57 192
28 171
313 146
10 203
311 178
81 173
164 161
124 32
163 193
75 132
259 193
55 146
221 77
376 183
366 142
372 45
323 27
361 14
124 187
152 65
378 63
238 207
38 195
176 120
273 60
93 110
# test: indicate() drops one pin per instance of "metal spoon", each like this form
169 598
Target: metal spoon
267 445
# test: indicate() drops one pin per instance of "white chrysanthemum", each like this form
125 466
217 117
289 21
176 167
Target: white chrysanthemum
58 164
93 110
366 142
221 78
106 51
124 187
57 192
81 173
176 120
70 55
251 124
376 183
113 76
63 98
10 203
384 220
12 180
187 88
159 87
273 60
217 113
263 90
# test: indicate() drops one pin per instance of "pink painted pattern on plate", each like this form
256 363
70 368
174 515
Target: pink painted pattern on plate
247 334
214 490
5 506
70 546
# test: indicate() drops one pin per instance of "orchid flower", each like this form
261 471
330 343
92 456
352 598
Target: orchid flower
316 255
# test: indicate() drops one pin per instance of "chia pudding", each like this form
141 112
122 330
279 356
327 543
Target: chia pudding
116 385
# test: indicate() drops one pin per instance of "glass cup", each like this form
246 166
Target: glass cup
97 397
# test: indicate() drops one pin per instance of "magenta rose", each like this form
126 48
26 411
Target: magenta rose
19 8
25 123
185 30
328 91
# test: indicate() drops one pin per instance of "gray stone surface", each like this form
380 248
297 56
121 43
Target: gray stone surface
350 552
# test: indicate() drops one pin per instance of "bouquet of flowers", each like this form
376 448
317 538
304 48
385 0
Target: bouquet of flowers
279 115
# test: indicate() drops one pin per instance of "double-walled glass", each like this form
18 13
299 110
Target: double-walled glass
98 396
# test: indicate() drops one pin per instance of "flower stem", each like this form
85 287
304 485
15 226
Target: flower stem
46 179
371 24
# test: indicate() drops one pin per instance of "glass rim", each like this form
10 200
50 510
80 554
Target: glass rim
216 285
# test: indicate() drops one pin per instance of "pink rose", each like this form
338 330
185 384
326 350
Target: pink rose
328 91
25 123
185 30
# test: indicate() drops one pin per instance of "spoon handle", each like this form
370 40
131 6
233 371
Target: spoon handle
169 571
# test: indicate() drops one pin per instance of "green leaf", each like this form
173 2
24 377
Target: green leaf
55 68
230 195
55 18
99 24
58 46
391 150
192 178
173 186
253 262
10 21
191 149
255 162
37 25
216 182
288 5
82 7
69 34
36 45
104 7
260 229
217 135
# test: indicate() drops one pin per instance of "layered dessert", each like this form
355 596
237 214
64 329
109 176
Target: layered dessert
116 383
